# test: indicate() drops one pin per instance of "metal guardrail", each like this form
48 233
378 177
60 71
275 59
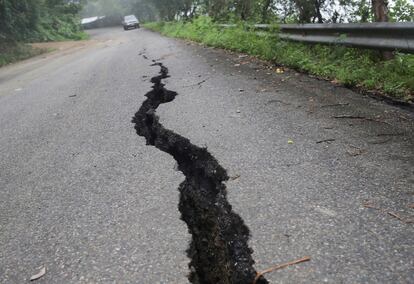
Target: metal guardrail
380 36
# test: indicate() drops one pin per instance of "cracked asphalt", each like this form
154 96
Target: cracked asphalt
83 196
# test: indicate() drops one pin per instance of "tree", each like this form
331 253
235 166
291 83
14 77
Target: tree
380 10
18 19
265 10
402 11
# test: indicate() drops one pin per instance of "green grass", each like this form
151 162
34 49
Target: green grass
352 67
12 52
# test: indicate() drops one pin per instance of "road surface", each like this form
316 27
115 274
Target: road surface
315 169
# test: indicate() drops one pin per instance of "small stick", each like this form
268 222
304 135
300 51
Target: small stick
326 140
369 205
361 117
197 84
280 266
235 177
333 105
277 101
395 216
380 142
377 120
350 116
390 134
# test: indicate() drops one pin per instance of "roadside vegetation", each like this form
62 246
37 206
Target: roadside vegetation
13 52
25 21
367 70
352 67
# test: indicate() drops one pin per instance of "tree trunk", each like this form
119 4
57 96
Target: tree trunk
318 13
380 9
266 5
305 9
245 9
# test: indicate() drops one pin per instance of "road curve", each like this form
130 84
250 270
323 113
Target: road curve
315 169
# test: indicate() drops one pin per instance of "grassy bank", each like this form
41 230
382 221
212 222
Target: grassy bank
352 67
12 52
59 28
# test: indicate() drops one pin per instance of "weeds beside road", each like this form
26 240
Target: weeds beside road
13 52
348 66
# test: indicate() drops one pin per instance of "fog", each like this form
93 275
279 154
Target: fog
114 10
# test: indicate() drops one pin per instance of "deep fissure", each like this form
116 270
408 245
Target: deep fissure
219 251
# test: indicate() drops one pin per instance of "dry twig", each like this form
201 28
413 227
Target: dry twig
334 105
325 140
235 177
361 117
390 134
395 215
196 84
280 266
350 116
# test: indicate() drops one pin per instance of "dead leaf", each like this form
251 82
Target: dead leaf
355 151
38 275
279 71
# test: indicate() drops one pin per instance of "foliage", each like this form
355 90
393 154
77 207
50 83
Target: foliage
402 11
39 20
352 67
11 52
259 11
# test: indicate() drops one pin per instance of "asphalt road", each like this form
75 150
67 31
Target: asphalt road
83 196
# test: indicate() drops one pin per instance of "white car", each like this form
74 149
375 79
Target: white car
130 22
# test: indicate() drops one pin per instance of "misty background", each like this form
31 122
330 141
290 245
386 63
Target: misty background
226 10
114 10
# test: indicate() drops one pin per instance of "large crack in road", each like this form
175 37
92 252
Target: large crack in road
219 250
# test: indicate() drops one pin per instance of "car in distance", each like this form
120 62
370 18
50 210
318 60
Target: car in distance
130 21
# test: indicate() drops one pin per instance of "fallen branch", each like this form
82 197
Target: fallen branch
280 266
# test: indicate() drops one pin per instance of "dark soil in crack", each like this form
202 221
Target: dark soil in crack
219 250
